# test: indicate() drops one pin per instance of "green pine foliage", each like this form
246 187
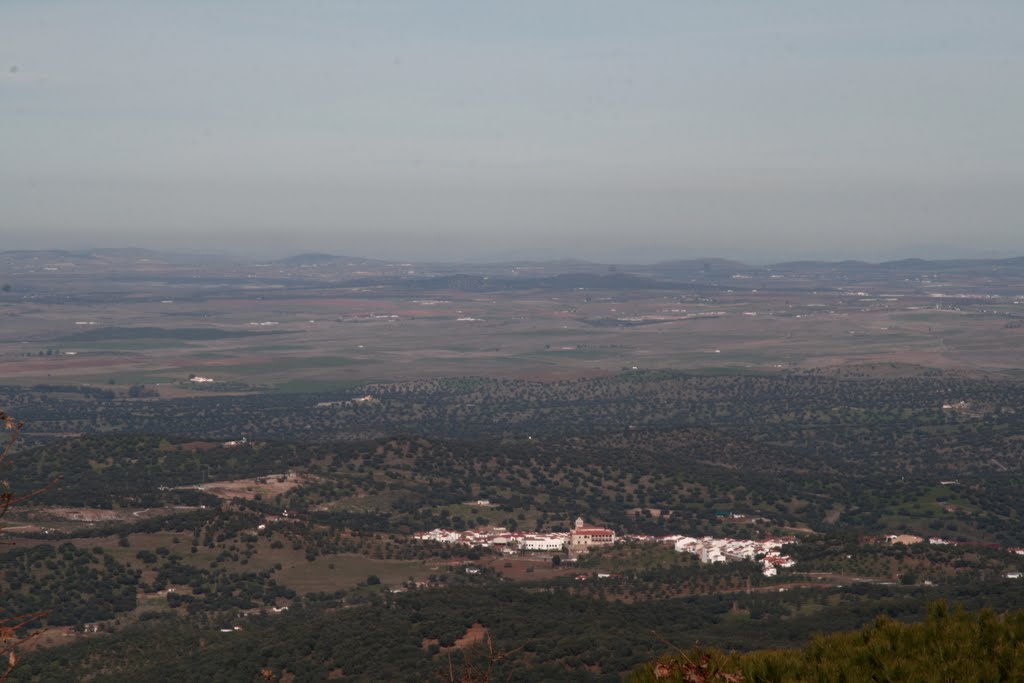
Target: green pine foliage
949 645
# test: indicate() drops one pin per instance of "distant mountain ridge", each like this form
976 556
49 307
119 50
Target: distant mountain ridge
318 258
568 281
674 267
126 254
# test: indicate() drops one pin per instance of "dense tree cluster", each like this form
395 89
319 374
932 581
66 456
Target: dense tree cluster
798 408
946 646
74 586
553 633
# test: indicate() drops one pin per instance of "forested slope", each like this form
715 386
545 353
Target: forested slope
946 646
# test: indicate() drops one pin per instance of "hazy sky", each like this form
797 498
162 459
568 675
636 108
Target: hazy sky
429 128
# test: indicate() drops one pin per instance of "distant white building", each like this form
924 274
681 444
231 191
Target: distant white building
771 563
439 535
548 542
583 536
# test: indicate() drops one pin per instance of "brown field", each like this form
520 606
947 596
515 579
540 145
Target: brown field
477 633
348 571
336 341
540 566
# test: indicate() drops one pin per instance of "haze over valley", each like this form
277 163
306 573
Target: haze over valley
462 341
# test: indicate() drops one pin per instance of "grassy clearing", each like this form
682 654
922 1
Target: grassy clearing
333 572
324 573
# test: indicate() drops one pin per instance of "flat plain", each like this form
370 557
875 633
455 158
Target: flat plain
112 319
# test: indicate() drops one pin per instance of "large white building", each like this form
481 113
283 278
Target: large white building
549 542
583 536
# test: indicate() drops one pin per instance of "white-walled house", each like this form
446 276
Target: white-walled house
549 542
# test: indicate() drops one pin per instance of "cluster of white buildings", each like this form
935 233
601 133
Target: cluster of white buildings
497 537
711 550
581 537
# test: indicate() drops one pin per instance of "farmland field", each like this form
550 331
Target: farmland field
209 445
